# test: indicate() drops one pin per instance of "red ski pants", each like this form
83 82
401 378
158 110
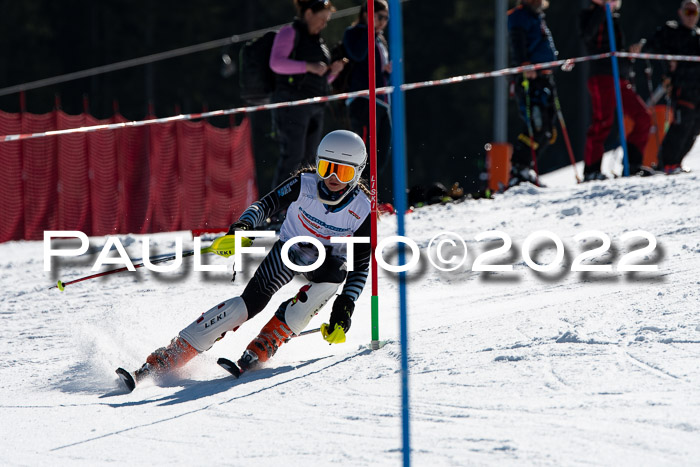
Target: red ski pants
602 92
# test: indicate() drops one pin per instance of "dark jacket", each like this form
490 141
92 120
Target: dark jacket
309 49
675 39
594 31
530 38
355 44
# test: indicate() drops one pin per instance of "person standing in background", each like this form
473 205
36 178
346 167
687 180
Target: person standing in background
531 42
301 61
601 85
680 38
355 46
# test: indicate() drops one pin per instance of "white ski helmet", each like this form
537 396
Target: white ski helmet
339 147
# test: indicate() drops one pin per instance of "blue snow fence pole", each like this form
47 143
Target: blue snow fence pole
618 92
398 137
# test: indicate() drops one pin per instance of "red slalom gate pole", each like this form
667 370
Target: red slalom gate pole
373 170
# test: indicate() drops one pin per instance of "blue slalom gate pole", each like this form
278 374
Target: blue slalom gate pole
618 92
398 137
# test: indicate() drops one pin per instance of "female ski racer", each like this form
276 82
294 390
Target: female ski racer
328 201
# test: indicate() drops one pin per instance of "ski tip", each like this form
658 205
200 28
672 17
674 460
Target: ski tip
126 379
229 366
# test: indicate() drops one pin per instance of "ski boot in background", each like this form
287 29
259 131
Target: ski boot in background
522 174
675 169
594 176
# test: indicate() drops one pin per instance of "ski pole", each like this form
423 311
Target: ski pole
222 246
654 121
60 285
307 332
531 133
648 72
657 95
562 124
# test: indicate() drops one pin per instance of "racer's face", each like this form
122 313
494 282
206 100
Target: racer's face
333 184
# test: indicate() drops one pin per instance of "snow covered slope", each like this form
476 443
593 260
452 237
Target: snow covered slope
559 368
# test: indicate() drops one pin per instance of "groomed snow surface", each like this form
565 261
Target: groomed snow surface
506 368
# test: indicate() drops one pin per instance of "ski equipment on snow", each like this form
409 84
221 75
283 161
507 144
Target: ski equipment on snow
126 378
229 366
238 369
130 381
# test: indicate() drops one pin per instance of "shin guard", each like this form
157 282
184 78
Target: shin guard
306 304
212 325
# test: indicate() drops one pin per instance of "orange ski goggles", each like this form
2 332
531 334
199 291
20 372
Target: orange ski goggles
344 173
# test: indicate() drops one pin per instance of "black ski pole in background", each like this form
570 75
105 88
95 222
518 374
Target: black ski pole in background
648 73
531 133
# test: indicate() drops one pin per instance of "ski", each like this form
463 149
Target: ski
126 378
237 371
645 171
129 381
229 366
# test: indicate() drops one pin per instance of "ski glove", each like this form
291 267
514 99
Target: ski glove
342 311
239 225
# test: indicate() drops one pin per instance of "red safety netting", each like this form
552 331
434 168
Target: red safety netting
192 156
176 176
11 186
105 185
40 177
73 185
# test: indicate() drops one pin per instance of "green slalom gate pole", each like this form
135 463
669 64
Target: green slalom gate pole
375 322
